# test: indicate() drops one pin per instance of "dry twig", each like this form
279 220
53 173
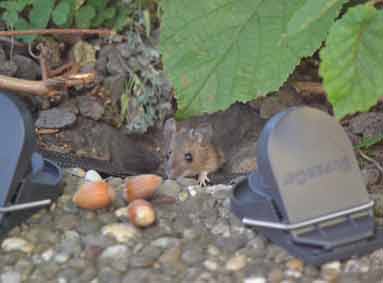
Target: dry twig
310 87
370 159
50 87
100 32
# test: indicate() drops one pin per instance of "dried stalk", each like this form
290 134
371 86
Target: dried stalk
50 87
100 32
310 87
38 88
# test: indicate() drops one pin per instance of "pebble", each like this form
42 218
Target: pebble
61 258
55 118
171 255
122 213
236 263
122 232
170 188
92 176
213 250
47 255
255 280
210 265
116 256
165 242
17 244
183 196
11 277
90 107
295 264
192 256
275 276
330 271
147 257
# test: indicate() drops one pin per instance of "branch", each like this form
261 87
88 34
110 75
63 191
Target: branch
310 87
100 32
38 88
50 87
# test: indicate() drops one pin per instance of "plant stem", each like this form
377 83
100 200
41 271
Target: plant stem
26 86
370 159
310 87
100 32
50 87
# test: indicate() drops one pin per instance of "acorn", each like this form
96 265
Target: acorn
141 187
141 213
93 195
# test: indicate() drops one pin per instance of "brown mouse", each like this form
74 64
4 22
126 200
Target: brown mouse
203 145
191 152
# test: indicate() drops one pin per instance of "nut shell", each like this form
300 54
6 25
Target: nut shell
141 187
141 213
93 195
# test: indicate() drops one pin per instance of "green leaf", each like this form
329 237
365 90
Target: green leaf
352 61
40 14
61 13
85 16
221 51
368 142
104 15
10 17
99 5
14 6
22 24
122 19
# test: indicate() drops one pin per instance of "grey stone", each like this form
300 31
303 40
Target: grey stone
147 257
90 107
165 242
88 274
8 68
170 188
68 222
116 256
55 118
26 67
108 275
192 256
115 85
11 277
116 64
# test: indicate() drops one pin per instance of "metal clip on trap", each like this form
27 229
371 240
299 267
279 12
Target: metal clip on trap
27 181
307 194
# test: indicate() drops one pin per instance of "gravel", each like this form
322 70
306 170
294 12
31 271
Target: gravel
195 239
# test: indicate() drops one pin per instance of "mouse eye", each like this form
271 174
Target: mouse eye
188 157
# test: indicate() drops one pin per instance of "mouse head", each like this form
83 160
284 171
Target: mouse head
187 149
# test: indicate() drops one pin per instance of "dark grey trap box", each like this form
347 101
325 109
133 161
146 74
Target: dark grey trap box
307 194
28 182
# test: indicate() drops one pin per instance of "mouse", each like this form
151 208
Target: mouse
202 146
192 152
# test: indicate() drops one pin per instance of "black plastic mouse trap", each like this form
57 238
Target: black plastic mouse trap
27 181
307 194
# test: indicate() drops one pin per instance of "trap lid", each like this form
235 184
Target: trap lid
308 193
27 181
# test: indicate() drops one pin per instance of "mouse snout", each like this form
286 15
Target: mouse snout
170 174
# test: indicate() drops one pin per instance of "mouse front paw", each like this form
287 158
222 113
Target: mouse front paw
203 179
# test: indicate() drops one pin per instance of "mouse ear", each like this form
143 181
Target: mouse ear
169 127
169 132
202 133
